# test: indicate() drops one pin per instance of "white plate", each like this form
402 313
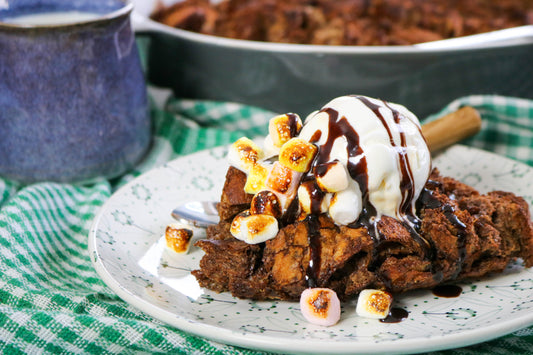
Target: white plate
126 250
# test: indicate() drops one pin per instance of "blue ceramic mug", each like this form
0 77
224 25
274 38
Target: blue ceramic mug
73 103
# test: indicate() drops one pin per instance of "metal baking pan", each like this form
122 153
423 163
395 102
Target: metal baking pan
301 78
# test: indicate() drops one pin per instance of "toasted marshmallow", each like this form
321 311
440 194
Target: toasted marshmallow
283 181
373 304
306 196
266 202
346 205
244 154
331 177
316 128
320 306
254 229
178 238
284 127
255 181
297 154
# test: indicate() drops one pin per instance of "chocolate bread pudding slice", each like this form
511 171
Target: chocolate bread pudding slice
471 235
349 201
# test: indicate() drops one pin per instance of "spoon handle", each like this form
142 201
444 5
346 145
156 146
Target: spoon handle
451 128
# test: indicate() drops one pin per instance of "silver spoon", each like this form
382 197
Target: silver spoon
439 134
200 214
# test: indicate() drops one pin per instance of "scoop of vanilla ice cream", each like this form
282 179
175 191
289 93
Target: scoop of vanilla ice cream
355 154
381 146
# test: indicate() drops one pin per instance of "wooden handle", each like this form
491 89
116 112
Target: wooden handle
451 128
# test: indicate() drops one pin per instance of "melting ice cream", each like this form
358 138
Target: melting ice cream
356 157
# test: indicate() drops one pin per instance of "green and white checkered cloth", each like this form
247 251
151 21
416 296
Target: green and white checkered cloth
51 299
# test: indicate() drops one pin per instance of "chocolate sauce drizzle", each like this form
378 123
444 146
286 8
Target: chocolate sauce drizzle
358 170
293 124
313 235
396 315
410 220
317 195
406 182
429 201
447 291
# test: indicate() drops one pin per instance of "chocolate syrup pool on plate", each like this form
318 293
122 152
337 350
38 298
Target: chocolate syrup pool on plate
448 291
396 315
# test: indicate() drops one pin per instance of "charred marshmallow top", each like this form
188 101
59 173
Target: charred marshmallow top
355 157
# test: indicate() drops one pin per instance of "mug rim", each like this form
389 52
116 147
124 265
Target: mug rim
124 10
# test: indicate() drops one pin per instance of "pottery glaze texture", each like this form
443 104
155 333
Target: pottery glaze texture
73 103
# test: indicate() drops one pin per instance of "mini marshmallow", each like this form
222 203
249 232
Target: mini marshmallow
255 181
284 127
297 154
305 198
373 304
266 202
283 181
331 177
320 306
178 238
346 205
316 128
254 229
244 154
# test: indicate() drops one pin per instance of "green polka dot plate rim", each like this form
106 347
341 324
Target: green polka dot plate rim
128 252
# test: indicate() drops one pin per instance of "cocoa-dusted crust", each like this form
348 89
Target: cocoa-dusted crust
471 235
346 22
